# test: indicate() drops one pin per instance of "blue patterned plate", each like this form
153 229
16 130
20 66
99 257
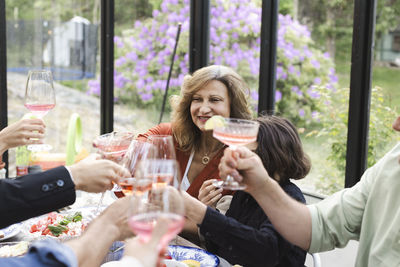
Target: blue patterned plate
11 230
181 253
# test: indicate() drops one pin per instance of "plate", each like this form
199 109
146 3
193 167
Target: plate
11 230
174 263
13 249
75 228
181 253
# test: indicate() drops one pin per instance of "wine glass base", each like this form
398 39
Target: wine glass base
229 185
39 148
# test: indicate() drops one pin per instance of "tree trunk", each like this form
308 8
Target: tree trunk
330 40
96 6
295 9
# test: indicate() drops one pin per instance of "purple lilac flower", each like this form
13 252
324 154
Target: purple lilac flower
296 90
301 113
317 80
120 80
278 96
120 61
118 42
254 95
94 87
315 63
146 96
313 93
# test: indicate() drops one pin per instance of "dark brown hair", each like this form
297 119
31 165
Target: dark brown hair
280 149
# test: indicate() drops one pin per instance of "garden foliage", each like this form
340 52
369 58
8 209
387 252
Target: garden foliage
143 55
334 117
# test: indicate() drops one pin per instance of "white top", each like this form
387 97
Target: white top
185 181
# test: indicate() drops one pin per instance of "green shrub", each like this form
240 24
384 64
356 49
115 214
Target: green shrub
333 117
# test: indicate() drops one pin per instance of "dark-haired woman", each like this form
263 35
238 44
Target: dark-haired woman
245 235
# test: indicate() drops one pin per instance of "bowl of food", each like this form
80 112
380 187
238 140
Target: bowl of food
13 249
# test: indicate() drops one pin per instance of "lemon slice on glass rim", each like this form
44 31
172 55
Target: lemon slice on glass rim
214 122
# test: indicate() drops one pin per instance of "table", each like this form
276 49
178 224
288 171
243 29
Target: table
176 241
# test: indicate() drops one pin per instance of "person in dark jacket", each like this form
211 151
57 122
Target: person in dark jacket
36 194
245 235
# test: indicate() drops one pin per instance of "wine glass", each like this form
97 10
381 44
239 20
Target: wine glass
164 146
112 146
40 98
159 205
235 132
164 149
137 151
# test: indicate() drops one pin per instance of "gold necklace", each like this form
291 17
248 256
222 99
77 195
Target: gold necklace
206 159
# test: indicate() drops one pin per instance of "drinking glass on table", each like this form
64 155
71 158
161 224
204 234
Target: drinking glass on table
235 132
39 98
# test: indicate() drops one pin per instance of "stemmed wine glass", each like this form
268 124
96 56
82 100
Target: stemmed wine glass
112 146
137 151
164 149
159 204
40 98
235 132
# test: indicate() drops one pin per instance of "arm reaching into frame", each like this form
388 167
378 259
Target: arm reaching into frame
291 218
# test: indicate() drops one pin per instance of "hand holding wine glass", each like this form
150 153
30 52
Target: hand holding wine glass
39 98
137 151
160 203
112 146
235 132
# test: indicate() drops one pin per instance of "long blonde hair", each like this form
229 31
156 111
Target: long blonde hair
186 133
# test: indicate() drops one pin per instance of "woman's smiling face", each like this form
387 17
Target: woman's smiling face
212 99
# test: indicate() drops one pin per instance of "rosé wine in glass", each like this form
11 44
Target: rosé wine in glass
235 132
160 205
40 109
39 98
143 225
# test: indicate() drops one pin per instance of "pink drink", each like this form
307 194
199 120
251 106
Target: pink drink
143 225
161 178
232 139
40 109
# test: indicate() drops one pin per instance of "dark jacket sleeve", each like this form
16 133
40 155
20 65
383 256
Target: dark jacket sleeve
35 194
254 243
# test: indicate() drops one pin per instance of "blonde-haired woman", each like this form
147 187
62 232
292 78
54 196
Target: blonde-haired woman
212 90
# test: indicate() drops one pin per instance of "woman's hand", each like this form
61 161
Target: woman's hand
22 132
209 194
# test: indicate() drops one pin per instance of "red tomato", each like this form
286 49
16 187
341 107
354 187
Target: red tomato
168 257
34 228
46 231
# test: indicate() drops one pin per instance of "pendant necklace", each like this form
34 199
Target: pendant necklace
206 159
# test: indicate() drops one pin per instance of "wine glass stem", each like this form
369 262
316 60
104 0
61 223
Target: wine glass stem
229 179
99 204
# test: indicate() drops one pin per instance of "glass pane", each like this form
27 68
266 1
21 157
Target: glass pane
313 74
62 37
235 39
385 97
145 36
